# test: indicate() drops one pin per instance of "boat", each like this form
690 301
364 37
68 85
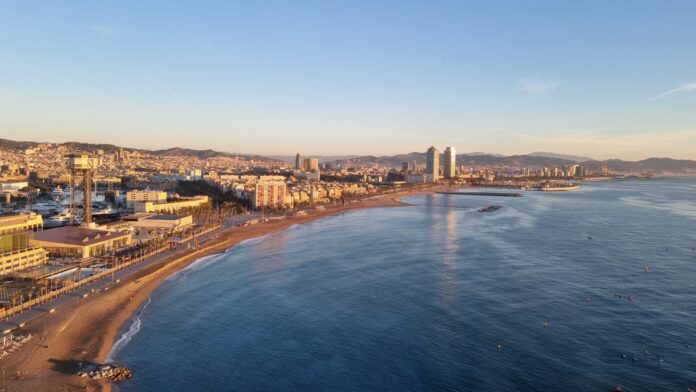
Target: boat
57 194
46 208
105 212
62 219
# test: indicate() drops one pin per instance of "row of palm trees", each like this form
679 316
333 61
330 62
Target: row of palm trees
30 289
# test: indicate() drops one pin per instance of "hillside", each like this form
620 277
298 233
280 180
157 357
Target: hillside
110 148
655 165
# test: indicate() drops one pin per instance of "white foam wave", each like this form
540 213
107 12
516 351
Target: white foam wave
128 335
196 265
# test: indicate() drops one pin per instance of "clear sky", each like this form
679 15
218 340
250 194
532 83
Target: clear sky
598 78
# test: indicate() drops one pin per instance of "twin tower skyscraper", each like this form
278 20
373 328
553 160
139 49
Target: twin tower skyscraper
432 167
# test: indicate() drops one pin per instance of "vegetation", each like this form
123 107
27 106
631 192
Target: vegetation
219 198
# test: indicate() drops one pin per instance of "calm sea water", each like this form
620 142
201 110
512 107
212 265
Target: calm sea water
420 298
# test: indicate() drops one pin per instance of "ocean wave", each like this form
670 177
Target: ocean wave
196 265
128 335
677 207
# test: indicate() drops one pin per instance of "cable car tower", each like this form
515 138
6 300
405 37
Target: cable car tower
82 168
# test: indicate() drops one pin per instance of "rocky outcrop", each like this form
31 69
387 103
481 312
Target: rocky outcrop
108 372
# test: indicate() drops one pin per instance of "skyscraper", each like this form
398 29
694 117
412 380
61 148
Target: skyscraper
311 164
450 162
298 165
433 164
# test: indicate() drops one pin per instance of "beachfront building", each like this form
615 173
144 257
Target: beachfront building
79 242
269 193
160 223
433 164
133 197
172 206
450 164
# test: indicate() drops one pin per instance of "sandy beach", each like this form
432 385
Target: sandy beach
86 333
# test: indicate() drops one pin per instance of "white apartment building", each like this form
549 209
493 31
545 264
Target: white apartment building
133 197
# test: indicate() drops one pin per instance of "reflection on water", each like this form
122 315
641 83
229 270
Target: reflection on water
419 298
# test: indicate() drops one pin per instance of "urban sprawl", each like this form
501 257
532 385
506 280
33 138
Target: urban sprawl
71 217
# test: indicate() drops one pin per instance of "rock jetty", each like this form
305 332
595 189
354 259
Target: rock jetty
109 372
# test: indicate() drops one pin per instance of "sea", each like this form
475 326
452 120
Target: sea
587 290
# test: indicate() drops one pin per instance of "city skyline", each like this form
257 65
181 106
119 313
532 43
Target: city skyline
276 78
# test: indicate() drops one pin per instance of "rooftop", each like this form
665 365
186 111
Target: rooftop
78 236
166 217
8 220
151 216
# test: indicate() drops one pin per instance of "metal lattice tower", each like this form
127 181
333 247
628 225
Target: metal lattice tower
82 168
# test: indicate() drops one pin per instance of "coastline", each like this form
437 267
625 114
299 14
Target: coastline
86 333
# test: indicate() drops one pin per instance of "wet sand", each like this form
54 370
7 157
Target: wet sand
86 332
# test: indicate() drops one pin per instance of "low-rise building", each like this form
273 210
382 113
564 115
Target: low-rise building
20 223
162 223
22 259
16 253
133 197
79 242
172 206
13 185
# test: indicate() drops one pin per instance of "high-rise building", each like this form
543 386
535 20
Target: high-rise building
404 167
311 164
298 166
579 171
269 193
432 167
450 162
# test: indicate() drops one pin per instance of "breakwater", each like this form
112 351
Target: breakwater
500 194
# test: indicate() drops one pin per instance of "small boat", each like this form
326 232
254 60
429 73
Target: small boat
57 193
62 219
105 212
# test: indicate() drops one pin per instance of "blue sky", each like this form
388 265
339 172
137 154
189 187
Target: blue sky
604 79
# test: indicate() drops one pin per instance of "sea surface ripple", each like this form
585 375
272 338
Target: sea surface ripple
584 290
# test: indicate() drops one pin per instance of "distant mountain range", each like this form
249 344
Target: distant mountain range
322 158
110 148
536 159
561 156
656 165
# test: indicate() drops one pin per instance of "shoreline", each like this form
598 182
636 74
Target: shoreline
86 332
